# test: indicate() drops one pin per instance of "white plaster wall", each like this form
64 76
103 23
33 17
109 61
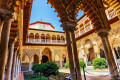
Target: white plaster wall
41 26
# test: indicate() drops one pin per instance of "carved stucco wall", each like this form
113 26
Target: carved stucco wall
114 39
55 50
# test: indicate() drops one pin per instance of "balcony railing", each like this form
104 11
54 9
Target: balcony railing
45 41
81 32
88 26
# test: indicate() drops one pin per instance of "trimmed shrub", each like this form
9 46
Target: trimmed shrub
36 68
100 63
82 63
49 68
67 65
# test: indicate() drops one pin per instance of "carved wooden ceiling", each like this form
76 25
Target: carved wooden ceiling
67 10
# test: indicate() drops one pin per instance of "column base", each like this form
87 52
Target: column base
115 78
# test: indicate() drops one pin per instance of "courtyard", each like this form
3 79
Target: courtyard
92 74
59 39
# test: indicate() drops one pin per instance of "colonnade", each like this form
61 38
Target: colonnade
16 67
6 41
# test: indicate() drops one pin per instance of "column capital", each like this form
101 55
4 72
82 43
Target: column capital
102 33
1 18
12 41
69 25
5 15
8 16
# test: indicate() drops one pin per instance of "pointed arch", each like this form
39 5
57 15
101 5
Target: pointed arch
25 58
36 59
46 53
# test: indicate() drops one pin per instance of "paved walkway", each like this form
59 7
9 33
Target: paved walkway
20 77
100 77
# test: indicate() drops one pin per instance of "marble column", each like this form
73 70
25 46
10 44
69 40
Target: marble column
61 63
15 72
114 55
70 55
4 44
13 66
108 54
39 61
76 60
1 21
20 66
1 26
30 65
17 66
10 60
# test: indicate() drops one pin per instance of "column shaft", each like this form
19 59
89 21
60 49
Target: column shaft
61 63
20 66
30 65
16 66
76 60
1 26
70 55
4 46
109 55
15 72
10 59
13 66
115 58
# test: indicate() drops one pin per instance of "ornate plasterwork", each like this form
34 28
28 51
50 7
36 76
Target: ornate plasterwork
31 52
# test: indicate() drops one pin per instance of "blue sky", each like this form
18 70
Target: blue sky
42 10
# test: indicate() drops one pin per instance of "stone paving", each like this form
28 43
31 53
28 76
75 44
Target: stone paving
20 77
96 76
99 77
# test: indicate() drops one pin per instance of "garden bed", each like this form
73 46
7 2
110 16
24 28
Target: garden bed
33 77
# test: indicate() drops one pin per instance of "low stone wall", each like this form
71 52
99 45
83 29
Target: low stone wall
61 76
28 73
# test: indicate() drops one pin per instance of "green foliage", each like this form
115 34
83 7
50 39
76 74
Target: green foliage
49 68
67 65
33 77
100 63
82 63
37 68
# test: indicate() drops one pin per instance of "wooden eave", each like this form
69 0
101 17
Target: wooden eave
26 20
